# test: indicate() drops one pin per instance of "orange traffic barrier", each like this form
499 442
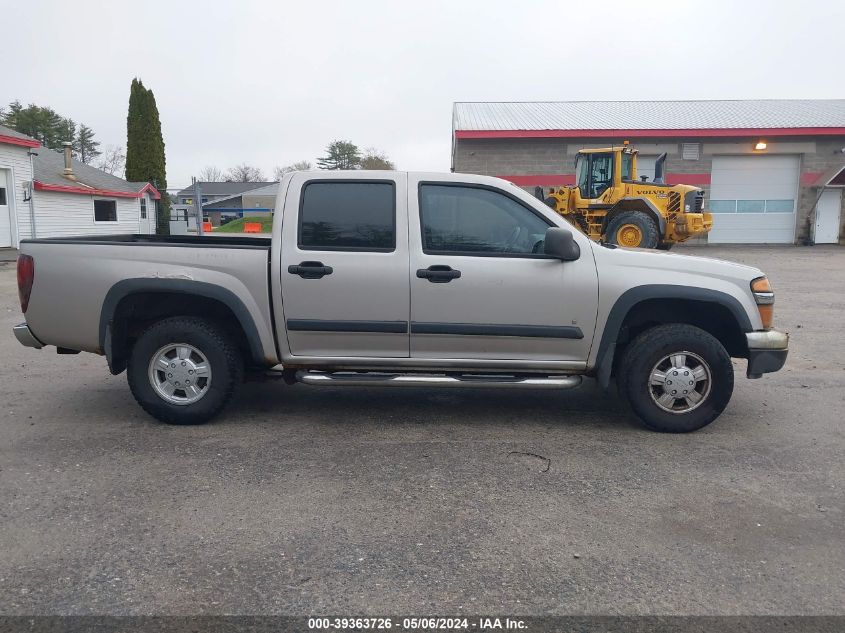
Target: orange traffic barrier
252 227
206 226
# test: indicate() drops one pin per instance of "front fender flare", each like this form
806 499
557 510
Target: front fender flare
628 299
621 206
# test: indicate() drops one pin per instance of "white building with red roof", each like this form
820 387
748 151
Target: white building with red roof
45 193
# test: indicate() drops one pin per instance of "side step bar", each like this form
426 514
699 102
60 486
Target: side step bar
355 379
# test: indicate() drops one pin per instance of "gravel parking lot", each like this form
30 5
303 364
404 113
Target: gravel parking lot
378 501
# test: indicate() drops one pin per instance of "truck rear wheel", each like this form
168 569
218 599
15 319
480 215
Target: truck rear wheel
184 370
632 229
677 378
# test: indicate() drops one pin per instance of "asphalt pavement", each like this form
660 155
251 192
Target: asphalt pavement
306 500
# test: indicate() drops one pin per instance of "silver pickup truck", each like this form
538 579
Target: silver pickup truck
402 279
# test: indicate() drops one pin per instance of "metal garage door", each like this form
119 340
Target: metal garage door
753 199
5 218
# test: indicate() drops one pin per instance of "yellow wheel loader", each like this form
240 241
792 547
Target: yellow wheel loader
610 204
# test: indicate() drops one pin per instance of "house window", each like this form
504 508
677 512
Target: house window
187 201
143 208
105 210
3 200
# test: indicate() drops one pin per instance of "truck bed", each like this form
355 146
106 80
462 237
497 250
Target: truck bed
77 279
161 240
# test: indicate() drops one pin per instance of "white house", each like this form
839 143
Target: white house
44 193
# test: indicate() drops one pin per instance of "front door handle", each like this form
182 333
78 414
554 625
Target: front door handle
310 270
438 274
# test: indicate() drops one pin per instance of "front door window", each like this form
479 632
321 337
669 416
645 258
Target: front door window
467 220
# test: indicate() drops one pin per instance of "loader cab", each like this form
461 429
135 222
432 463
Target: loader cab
594 173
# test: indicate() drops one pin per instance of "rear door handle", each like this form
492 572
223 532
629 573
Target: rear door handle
310 270
438 274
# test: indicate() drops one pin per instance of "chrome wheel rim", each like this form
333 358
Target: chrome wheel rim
680 382
180 374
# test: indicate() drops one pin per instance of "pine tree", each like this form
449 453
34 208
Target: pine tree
145 161
42 124
340 155
66 131
84 144
50 128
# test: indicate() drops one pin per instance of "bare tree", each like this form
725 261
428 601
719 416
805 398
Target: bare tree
376 159
300 165
211 173
244 173
112 160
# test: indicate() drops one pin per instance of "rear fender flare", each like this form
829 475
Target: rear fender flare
128 287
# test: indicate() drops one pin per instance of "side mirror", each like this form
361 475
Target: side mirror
559 243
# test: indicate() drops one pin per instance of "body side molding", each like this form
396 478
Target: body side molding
323 325
479 329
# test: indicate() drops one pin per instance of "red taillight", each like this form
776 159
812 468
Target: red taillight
26 275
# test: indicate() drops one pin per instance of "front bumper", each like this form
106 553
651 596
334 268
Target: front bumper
26 337
766 352
689 224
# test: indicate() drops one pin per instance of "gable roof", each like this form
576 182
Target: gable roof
787 116
833 177
13 137
223 188
48 174
268 190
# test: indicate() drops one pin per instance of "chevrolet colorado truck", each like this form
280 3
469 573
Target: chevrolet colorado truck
402 279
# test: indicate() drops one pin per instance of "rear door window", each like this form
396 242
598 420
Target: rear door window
348 216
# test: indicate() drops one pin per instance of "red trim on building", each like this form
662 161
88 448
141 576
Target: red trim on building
90 191
550 180
688 179
810 178
153 191
690 133
23 142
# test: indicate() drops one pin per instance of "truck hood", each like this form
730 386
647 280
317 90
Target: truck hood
646 259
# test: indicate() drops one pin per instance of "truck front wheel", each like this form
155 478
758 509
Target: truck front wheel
632 229
677 378
184 370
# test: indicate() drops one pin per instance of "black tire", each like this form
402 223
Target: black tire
646 225
647 351
665 246
222 355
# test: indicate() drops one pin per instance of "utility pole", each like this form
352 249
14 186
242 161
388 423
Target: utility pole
198 203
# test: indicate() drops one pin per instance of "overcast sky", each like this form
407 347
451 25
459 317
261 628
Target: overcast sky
270 83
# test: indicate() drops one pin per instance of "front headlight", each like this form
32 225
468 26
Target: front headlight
765 299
